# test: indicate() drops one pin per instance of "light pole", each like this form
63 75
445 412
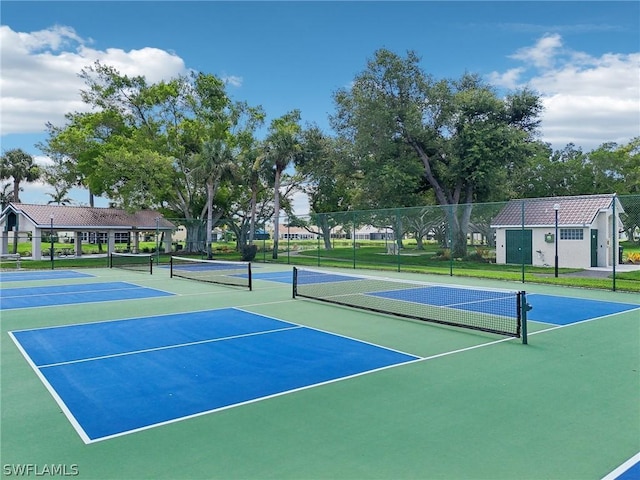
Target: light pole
556 207
51 240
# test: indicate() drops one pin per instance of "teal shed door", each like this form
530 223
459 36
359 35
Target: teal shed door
519 246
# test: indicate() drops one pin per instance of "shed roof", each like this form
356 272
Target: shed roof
74 217
579 210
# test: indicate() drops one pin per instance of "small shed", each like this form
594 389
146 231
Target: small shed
20 222
582 230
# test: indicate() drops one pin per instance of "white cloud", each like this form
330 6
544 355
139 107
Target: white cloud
232 80
543 53
509 79
40 70
588 100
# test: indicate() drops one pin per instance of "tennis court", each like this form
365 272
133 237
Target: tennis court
192 379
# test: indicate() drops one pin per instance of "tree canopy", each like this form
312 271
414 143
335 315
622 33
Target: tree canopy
465 136
401 139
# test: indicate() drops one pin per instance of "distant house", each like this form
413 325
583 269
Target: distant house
84 224
587 231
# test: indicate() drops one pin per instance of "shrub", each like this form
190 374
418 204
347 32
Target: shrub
633 257
248 252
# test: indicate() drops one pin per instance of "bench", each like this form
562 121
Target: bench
11 257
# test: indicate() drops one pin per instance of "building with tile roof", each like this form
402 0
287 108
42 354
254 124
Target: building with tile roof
583 229
40 221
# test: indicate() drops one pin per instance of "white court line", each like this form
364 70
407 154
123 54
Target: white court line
87 440
151 315
75 304
333 333
73 292
167 347
417 358
586 320
623 468
63 406
248 402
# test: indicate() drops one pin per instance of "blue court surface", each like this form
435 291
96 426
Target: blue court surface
117 377
51 295
489 302
568 310
546 308
632 473
281 277
26 275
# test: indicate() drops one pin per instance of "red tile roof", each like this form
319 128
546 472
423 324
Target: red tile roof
577 210
74 217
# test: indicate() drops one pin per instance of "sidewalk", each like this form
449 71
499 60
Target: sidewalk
604 272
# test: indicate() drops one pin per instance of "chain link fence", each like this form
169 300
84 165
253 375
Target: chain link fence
580 237
594 236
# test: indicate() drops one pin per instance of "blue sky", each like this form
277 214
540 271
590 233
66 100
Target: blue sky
583 58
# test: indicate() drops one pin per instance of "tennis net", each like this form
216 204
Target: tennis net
489 310
212 271
142 262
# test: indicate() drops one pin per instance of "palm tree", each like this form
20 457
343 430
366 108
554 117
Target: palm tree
6 195
19 165
60 196
282 147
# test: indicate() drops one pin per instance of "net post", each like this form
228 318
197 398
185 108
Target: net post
111 260
523 308
171 267
151 265
249 274
295 281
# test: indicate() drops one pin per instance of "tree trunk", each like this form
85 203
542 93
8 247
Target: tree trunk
276 214
323 224
209 218
252 225
16 190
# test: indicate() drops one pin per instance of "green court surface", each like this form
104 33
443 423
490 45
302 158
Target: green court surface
475 406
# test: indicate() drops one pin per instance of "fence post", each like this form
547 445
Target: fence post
614 234
398 240
157 240
450 227
522 240
288 241
353 236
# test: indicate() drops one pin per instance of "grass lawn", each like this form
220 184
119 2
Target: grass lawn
373 256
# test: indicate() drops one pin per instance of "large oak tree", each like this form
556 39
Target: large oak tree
466 137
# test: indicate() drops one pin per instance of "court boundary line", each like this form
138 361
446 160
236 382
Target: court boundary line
586 320
78 291
52 391
615 473
65 305
417 357
87 440
248 402
23 271
168 347
124 319
529 293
